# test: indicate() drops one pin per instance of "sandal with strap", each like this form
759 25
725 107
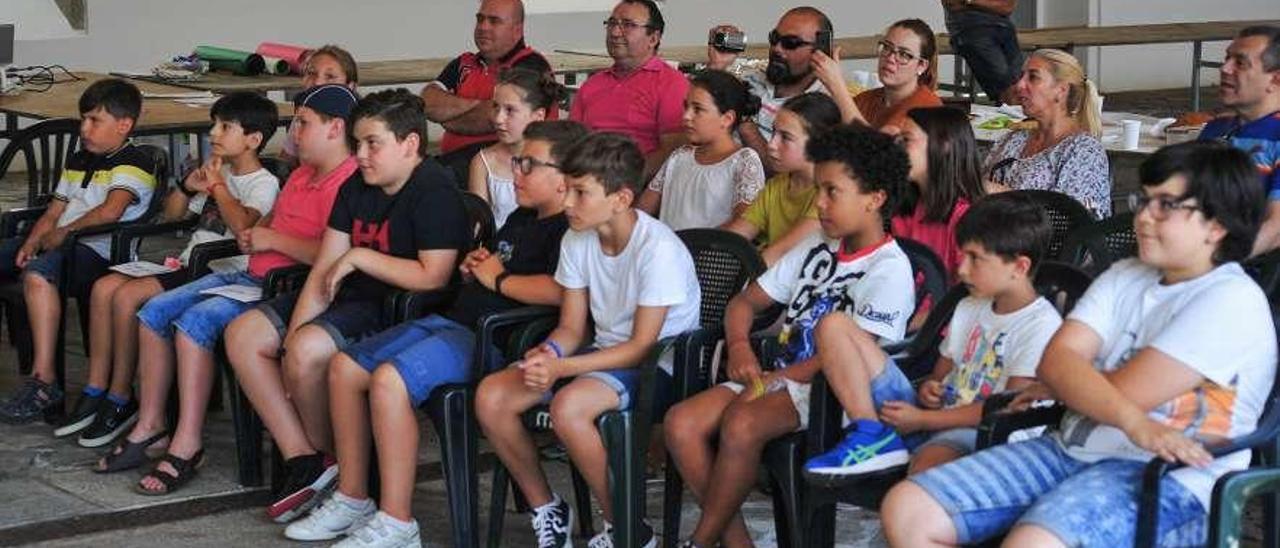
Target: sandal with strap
185 468
128 455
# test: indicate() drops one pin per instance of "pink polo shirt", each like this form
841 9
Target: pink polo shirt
302 211
643 104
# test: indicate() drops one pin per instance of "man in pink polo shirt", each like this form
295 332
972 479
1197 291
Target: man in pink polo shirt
640 96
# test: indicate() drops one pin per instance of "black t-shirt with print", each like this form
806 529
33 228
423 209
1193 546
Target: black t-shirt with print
527 245
427 213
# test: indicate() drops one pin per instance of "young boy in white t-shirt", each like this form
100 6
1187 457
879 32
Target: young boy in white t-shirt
994 341
1164 354
853 270
636 280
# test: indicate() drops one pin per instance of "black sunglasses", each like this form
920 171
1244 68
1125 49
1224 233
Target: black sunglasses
526 164
788 41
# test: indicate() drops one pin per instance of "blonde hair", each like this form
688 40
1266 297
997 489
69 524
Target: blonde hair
1083 104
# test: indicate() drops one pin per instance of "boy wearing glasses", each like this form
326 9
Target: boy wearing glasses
792 48
1250 87
640 96
1165 354
393 372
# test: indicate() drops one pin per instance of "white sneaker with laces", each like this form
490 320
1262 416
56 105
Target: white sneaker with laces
604 539
332 519
383 531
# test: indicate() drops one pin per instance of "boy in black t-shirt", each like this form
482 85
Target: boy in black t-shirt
399 223
397 369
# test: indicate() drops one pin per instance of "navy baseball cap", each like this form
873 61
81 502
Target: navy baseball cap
331 99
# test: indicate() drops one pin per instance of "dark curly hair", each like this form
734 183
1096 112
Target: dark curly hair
402 111
872 158
1009 225
1223 182
728 93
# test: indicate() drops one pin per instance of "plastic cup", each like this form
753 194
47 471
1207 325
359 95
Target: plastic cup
1132 131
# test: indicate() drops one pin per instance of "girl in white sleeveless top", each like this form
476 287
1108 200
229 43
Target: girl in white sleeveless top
521 97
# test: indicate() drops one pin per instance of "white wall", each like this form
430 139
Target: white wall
38 19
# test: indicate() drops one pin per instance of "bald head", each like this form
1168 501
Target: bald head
499 27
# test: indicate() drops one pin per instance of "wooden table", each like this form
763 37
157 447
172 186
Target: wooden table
159 116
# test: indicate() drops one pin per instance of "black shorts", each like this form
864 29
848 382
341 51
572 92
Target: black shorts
346 320
170 280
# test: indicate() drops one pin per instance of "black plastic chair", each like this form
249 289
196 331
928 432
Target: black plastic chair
44 148
18 222
930 283
1093 247
1065 215
1265 269
725 263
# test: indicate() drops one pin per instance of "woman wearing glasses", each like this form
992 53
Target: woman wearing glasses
1062 153
907 66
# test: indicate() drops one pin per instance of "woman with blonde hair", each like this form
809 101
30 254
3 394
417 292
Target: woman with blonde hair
1062 153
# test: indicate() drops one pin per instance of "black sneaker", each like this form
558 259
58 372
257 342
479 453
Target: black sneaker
552 523
112 420
310 478
79 419
34 400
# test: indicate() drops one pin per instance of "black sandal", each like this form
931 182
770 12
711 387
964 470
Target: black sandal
185 468
130 454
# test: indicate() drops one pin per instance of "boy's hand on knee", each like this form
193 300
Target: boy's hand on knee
1168 443
902 416
27 252
539 373
743 364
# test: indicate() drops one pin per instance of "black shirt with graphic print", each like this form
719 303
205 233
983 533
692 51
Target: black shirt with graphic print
526 245
426 214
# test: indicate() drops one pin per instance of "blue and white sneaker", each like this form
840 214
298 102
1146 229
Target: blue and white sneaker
870 447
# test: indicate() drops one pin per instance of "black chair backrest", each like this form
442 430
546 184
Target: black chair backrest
922 352
725 263
1093 247
481 219
1065 215
1062 284
929 272
1265 269
44 147
160 170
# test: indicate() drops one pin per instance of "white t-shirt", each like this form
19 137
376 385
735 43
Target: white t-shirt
502 193
770 104
874 285
703 196
255 190
987 348
655 269
1218 324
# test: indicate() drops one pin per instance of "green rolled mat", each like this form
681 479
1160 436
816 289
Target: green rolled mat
243 63
276 65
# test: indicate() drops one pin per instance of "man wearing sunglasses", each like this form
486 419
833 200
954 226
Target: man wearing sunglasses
640 96
792 45
983 35
1249 86
461 97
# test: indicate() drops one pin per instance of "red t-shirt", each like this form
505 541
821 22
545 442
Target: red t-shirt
940 237
642 104
302 211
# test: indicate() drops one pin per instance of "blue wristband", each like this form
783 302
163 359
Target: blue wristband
555 347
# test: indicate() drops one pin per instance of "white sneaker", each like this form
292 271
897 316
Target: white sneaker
334 518
604 539
383 531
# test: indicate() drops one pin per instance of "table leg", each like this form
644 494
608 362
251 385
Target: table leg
1197 49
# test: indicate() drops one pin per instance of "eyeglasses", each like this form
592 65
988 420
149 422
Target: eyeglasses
525 164
788 41
626 25
903 56
1164 206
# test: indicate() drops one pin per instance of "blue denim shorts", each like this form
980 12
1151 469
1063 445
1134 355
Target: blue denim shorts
427 353
893 385
48 265
1035 482
960 440
346 320
624 382
201 317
